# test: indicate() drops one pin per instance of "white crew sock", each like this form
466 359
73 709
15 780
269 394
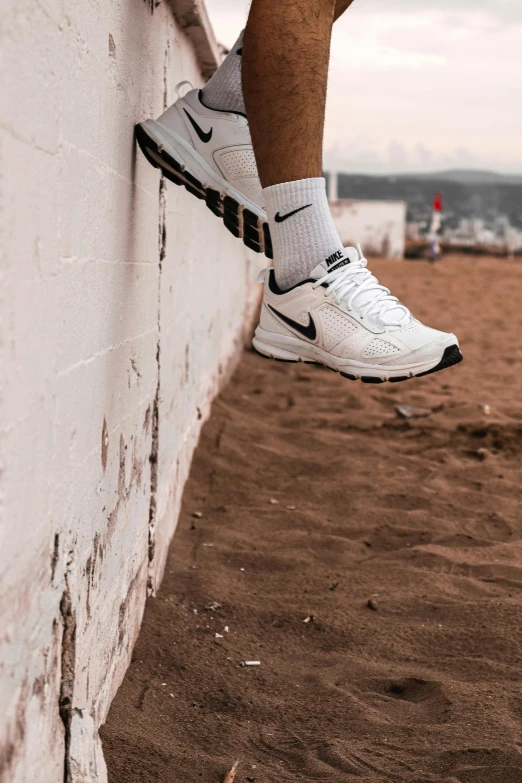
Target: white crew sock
224 91
303 240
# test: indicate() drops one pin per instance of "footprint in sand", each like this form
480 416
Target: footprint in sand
504 438
404 501
492 526
482 765
462 541
391 538
409 700
310 759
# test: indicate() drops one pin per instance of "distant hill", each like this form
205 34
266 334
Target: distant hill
468 177
465 194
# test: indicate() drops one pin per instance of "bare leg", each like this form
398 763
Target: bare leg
285 70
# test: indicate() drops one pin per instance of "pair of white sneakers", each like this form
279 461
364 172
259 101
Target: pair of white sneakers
340 316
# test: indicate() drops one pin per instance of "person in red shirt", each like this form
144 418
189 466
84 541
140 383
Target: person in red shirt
436 222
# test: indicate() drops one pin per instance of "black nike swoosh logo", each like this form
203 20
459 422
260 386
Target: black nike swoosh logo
279 218
205 137
309 331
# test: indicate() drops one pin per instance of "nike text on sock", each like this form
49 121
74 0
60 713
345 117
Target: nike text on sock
224 91
302 229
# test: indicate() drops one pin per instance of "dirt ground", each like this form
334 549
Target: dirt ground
315 497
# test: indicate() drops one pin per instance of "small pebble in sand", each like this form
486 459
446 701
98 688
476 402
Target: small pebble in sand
197 514
372 604
486 410
226 629
480 454
218 636
212 606
273 501
412 412
250 663
208 544
292 508
309 619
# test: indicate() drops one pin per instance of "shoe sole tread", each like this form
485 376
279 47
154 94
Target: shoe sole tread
451 356
238 219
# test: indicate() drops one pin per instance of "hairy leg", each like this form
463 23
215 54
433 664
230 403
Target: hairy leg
285 70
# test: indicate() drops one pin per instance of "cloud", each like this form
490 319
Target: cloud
365 155
506 10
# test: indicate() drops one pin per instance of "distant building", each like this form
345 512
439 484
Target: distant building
379 226
482 210
471 232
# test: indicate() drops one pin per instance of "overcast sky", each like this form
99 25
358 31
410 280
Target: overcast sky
418 85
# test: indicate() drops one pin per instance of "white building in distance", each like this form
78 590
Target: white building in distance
379 226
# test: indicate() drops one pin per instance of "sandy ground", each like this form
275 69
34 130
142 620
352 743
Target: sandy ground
423 516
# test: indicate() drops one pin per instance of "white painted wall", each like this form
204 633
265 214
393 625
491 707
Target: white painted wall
379 226
109 359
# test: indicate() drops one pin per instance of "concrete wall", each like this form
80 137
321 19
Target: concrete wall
123 305
379 226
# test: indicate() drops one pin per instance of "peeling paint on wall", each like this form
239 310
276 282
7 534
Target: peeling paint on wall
68 667
153 459
104 444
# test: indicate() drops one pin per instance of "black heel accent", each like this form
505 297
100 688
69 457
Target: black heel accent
451 356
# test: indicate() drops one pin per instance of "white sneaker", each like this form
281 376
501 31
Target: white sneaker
343 318
210 153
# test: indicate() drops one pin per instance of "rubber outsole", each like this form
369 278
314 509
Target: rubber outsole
239 220
451 356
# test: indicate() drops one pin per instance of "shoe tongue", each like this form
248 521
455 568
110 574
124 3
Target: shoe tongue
337 260
341 258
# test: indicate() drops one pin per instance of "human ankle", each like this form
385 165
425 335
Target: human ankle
301 226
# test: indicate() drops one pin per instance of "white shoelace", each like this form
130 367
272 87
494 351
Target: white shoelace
355 286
